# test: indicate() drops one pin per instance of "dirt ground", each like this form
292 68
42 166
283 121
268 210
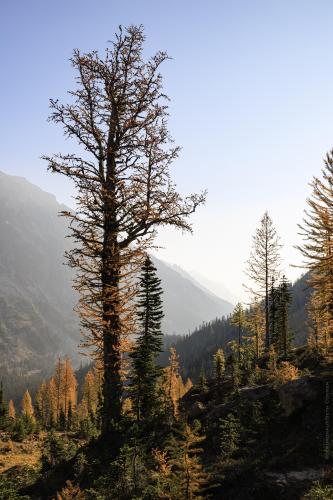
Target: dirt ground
12 454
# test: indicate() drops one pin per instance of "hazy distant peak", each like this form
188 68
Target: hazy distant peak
215 288
27 192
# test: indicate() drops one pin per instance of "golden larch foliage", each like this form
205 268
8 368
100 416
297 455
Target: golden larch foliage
69 384
42 401
27 408
56 390
90 394
118 114
62 389
71 492
174 385
255 324
11 410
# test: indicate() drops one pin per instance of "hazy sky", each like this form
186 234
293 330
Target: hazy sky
251 87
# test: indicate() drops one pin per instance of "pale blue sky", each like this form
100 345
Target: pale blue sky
251 87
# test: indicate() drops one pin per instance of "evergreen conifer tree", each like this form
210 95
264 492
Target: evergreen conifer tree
255 324
203 380
235 368
62 419
283 329
273 298
219 365
229 431
3 408
238 319
70 416
148 344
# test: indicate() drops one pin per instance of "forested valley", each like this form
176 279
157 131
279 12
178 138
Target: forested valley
236 409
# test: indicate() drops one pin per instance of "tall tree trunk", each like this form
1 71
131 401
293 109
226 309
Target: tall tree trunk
112 383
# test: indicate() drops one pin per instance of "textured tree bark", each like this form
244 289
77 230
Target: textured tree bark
112 383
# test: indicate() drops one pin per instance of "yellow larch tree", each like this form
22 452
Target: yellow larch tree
317 251
90 394
118 116
69 386
56 388
27 408
174 383
11 410
255 324
42 402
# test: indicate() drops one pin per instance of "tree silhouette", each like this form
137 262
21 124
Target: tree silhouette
118 117
263 264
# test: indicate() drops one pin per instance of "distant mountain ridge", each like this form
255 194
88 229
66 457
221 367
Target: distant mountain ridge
200 282
37 321
197 349
187 304
214 287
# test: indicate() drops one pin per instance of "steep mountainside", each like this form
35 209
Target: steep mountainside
36 298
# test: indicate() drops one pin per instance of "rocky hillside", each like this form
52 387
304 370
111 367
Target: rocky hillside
267 440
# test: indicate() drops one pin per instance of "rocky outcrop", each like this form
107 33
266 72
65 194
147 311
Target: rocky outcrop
295 477
295 394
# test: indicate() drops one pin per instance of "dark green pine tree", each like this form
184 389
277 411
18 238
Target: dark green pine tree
283 329
69 423
62 419
203 379
273 298
3 409
146 372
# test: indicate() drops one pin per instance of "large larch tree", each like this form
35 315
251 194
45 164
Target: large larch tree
317 251
263 265
117 115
